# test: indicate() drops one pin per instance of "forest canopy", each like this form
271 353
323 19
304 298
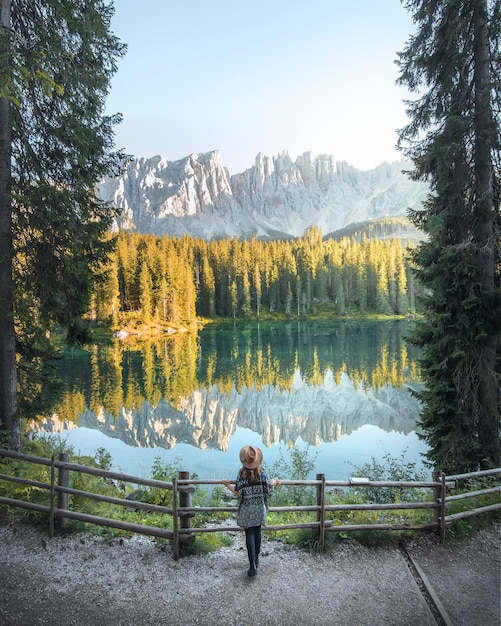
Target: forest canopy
175 280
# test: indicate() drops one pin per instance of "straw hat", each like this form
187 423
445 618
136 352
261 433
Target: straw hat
251 457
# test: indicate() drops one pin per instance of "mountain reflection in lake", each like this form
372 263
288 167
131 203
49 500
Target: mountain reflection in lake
340 387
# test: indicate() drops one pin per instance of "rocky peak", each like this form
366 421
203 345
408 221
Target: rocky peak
275 197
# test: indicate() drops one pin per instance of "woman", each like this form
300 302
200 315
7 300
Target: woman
252 488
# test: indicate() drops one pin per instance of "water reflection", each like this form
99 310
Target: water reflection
313 382
208 417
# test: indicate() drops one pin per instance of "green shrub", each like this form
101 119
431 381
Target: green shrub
391 469
299 466
205 543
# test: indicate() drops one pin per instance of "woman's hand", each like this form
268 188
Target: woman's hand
275 482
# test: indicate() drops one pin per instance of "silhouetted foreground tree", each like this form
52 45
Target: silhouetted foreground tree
453 139
56 61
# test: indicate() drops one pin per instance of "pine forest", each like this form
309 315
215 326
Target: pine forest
155 280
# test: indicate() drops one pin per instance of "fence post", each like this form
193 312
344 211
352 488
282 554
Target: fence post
185 492
175 521
436 498
442 507
63 480
52 492
321 511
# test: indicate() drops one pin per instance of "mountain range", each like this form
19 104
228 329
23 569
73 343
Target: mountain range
275 198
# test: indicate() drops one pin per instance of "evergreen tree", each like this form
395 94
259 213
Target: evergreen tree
401 286
56 61
233 298
163 299
453 63
206 301
274 288
105 297
145 292
257 288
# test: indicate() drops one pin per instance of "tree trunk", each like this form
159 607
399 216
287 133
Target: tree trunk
486 240
9 416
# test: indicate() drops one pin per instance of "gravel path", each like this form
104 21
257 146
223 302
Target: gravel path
87 581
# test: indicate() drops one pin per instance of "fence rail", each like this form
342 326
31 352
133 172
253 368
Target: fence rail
182 510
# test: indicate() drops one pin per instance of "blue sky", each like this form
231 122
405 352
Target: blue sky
246 77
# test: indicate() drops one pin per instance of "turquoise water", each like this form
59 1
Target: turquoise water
340 389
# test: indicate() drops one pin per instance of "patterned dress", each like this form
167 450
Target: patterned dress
252 500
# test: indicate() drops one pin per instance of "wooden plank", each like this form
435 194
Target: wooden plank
20 456
132 504
129 526
473 494
431 593
92 519
463 514
490 472
21 504
127 478
356 480
25 481
382 507
352 527
84 469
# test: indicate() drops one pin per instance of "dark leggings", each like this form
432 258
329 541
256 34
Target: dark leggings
253 543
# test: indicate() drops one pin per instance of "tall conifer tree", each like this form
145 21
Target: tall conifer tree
57 58
453 140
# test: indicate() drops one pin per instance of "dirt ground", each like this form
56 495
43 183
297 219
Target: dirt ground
80 580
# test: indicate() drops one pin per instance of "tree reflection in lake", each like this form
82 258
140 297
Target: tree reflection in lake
278 384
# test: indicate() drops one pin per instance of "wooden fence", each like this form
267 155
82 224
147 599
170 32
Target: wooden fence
182 509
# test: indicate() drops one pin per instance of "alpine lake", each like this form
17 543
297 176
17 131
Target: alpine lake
340 390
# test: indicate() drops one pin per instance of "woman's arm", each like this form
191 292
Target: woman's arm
271 483
229 486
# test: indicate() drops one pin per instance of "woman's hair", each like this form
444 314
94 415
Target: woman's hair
251 475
